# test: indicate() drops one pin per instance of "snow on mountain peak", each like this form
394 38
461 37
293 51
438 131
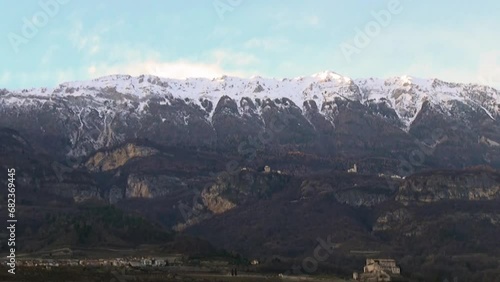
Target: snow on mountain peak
330 75
405 94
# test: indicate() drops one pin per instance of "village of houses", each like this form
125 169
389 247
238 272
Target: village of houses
375 270
174 260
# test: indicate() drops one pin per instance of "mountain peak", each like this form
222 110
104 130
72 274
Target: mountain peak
406 78
328 75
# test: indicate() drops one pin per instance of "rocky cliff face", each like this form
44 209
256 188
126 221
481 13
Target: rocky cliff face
152 186
351 189
228 191
450 185
109 160
214 202
360 197
392 220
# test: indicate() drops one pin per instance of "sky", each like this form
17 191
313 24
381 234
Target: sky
47 42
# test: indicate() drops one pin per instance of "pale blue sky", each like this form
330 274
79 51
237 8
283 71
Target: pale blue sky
453 40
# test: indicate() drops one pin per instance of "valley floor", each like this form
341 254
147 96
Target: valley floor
91 274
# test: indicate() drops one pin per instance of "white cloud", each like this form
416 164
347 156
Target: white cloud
129 60
177 69
92 70
489 69
140 59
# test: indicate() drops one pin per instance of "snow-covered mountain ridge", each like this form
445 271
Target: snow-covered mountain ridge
404 94
325 113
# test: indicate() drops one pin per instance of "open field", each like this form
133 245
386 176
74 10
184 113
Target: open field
77 274
257 277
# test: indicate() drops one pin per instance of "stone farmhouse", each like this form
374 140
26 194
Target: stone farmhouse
378 270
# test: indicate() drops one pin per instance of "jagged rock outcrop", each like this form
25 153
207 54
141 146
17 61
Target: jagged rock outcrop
474 184
350 189
359 197
152 186
230 190
392 220
112 159
214 202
